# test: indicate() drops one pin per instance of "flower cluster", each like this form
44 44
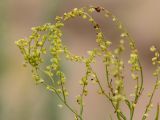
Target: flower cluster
156 74
46 41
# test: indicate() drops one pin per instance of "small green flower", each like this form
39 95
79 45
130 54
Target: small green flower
152 48
46 41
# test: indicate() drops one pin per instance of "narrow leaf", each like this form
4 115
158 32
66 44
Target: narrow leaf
157 113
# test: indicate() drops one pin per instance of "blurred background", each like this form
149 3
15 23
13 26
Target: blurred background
21 99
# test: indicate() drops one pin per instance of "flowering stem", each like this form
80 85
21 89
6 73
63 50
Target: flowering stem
109 82
68 106
64 99
63 92
138 92
119 114
65 103
81 102
150 101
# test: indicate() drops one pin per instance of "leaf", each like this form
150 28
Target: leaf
128 104
157 113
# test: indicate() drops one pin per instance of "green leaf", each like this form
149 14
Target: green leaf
157 113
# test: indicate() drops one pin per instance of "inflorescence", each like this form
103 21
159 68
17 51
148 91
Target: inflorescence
47 40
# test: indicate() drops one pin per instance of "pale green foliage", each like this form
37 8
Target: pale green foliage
36 46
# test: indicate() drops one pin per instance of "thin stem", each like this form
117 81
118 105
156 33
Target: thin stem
109 82
132 113
103 92
101 88
68 105
118 113
138 91
63 91
81 103
65 103
141 71
150 101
